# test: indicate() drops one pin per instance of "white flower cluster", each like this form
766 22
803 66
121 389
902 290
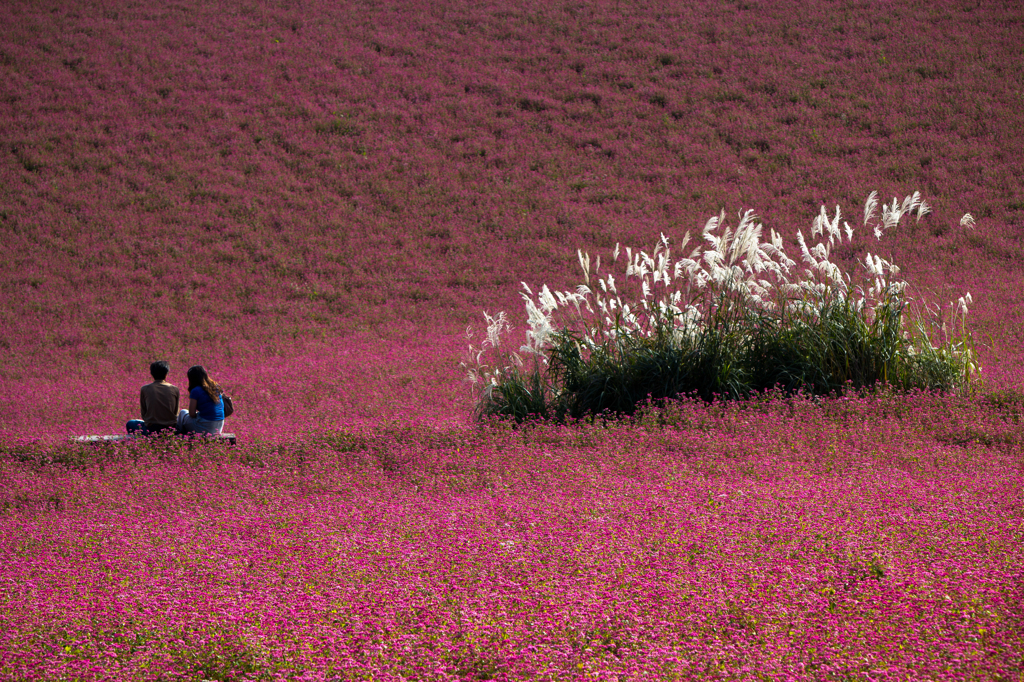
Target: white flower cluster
736 267
477 371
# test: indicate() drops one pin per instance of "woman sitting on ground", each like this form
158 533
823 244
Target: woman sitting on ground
205 413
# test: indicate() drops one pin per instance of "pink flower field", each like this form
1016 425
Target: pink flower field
316 199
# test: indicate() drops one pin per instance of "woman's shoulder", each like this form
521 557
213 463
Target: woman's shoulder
199 393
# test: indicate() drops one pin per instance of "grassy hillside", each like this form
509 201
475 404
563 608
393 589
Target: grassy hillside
233 180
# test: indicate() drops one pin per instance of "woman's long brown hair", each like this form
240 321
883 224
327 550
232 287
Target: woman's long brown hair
197 376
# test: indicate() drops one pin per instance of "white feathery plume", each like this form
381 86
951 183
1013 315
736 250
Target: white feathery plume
818 226
712 223
547 301
908 203
869 264
727 243
833 227
923 209
752 239
891 215
831 272
648 261
496 324
584 264
870 206
712 258
540 327
714 240
686 240
911 203
967 221
770 250
808 258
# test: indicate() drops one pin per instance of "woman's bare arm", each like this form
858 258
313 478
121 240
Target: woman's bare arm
193 407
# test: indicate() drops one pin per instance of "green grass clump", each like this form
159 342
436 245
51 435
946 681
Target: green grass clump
734 317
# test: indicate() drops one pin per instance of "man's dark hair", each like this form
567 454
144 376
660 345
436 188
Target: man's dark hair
159 370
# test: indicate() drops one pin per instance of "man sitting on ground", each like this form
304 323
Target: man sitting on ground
158 401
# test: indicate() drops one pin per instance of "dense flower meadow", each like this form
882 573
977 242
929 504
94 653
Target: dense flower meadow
875 538
315 199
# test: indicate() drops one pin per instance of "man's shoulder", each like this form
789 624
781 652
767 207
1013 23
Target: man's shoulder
158 387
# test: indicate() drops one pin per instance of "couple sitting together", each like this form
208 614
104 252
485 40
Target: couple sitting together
159 402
